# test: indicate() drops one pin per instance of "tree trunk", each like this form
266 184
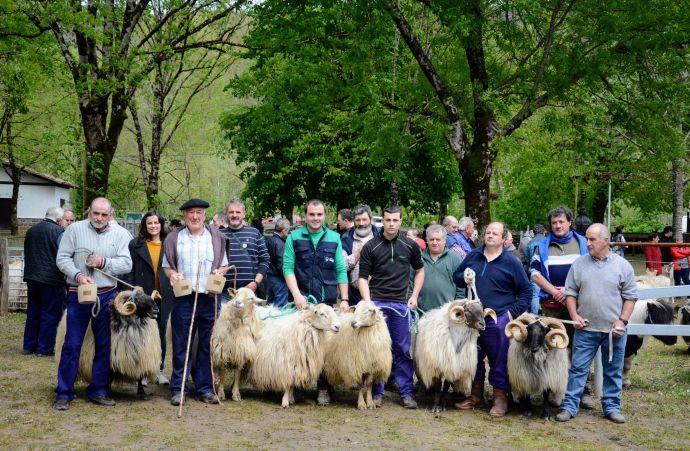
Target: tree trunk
476 169
395 197
15 174
678 208
599 204
442 211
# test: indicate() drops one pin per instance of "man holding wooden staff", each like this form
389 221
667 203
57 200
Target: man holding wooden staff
191 254
87 245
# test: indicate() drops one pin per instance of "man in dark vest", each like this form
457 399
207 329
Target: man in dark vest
313 266
45 283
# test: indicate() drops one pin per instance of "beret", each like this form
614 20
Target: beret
194 203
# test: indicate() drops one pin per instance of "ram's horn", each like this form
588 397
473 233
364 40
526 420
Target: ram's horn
557 338
457 307
123 305
491 313
155 295
553 323
260 301
516 330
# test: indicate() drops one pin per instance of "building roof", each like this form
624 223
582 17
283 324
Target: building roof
54 180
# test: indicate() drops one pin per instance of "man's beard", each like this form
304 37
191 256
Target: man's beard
363 231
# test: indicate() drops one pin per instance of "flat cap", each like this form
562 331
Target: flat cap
194 203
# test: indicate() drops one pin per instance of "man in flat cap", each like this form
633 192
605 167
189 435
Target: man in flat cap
186 250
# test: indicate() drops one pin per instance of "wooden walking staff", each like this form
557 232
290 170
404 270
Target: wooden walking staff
189 342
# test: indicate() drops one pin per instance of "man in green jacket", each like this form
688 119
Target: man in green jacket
439 265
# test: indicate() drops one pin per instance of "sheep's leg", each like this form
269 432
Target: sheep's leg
367 384
526 405
239 377
140 390
220 382
438 384
627 366
286 399
444 393
361 405
292 396
545 408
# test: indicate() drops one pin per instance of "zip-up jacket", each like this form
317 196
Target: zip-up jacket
502 284
388 263
316 260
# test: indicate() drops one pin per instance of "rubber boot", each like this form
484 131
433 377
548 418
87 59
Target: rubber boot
500 406
476 399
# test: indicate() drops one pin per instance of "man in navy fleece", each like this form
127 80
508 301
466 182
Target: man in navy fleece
502 285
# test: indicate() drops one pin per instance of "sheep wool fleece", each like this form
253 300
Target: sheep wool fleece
78 318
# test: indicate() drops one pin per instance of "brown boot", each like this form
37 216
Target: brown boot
476 399
500 406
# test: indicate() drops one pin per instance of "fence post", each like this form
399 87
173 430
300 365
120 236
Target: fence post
4 277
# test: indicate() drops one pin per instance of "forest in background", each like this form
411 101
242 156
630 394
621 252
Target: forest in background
496 109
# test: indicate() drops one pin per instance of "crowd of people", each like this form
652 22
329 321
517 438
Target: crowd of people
559 273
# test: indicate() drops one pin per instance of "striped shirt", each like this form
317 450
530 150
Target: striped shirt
247 251
81 239
190 251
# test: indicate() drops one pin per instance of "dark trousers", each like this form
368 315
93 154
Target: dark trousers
399 329
180 319
278 293
78 317
493 344
164 309
43 314
353 293
681 275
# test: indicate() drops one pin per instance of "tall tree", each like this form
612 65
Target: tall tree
110 47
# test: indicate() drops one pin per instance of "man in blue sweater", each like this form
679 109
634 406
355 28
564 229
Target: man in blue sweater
502 285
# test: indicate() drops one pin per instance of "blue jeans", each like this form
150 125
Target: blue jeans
534 307
585 346
399 328
278 293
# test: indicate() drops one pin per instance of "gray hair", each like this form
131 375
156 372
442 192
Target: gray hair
54 213
282 224
435 228
361 209
448 220
464 222
234 201
604 232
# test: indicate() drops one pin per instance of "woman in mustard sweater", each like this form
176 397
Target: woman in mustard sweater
147 257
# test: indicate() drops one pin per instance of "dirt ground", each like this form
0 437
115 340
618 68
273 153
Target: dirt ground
657 408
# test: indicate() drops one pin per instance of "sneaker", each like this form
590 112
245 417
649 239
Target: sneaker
61 404
564 415
587 401
161 379
378 400
323 399
176 399
208 398
103 400
408 402
616 417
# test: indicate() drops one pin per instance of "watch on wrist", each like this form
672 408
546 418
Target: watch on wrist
345 300
624 321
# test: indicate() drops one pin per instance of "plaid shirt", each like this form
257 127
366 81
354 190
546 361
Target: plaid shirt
190 251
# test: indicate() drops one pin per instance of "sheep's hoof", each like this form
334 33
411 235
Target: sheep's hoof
527 413
546 417
436 409
236 397
285 405
627 384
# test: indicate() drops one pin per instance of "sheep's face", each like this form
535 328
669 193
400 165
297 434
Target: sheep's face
470 313
536 332
366 314
146 306
323 317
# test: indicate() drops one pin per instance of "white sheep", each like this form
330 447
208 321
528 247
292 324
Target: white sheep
360 354
233 340
446 347
290 352
537 360
135 345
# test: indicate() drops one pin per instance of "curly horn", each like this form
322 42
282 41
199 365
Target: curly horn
553 323
517 328
457 308
123 305
491 313
155 295
557 338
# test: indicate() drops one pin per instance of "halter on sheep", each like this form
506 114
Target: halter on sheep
537 360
